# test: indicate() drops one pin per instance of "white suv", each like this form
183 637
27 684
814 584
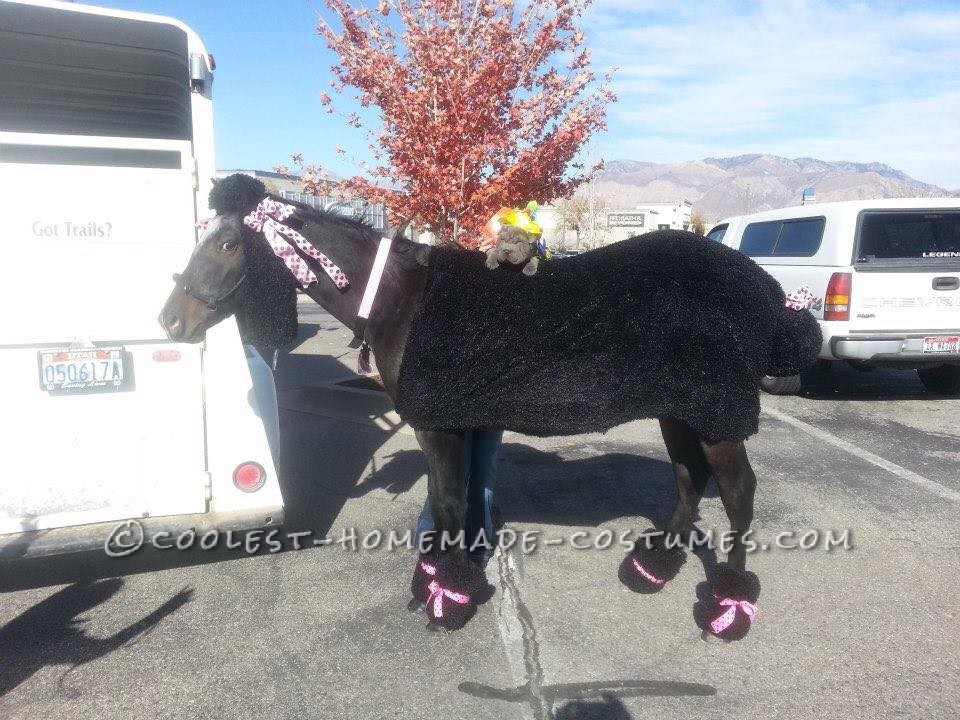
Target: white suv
885 275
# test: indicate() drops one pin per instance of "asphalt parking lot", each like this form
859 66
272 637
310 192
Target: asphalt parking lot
870 631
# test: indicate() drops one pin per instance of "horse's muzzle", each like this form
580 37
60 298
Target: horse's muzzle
171 324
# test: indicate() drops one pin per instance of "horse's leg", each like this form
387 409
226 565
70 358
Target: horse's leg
691 471
446 485
444 579
731 469
658 559
729 611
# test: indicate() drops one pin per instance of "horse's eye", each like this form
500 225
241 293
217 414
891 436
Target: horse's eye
228 246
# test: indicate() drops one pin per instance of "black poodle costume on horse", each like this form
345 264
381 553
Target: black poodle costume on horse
666 324
663 325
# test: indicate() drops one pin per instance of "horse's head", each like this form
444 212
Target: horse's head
233 271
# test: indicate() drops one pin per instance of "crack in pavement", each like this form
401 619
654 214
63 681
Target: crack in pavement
519 635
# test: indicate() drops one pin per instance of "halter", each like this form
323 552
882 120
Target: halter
213 304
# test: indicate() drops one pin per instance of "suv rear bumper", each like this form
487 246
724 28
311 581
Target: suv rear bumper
900 349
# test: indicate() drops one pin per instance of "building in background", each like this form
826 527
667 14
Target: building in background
647 218
581 223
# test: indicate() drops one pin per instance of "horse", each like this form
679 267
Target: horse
241 267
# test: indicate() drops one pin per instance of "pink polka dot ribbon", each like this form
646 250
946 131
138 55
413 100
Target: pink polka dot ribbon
801 298
438 592
646 573
268 218
723 621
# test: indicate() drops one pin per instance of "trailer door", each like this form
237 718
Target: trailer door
102 417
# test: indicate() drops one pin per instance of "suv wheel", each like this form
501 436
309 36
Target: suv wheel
943 379
789 385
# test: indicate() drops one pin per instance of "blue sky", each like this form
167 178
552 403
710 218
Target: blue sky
837 80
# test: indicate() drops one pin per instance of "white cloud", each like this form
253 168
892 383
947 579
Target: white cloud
858 81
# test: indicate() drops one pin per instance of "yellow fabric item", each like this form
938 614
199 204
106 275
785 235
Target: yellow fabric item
520 219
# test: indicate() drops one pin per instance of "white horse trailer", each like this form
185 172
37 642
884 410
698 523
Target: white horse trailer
106 160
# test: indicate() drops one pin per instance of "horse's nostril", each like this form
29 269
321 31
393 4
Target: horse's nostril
171 323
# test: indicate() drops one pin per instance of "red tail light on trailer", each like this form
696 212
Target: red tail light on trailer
836 303
249 477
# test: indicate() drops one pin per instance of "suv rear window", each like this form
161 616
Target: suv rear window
921 236
76 73
717 233
783 238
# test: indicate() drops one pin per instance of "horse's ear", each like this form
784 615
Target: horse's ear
420 252
267 314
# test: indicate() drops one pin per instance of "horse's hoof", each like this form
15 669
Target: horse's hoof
709 637
415 606
434 628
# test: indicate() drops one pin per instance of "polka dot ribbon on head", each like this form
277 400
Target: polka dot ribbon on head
268 218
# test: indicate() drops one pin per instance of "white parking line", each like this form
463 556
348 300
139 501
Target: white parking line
926 483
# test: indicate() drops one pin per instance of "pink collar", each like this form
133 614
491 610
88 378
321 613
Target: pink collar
370 293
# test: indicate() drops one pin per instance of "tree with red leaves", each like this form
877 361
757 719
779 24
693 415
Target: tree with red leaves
482 104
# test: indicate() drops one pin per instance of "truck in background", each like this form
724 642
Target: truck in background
885 275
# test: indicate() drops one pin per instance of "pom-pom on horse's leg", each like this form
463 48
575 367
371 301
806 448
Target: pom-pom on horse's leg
728 608
531 267
727 612
492 262
454 593
447 578
424 573
657 558
651 563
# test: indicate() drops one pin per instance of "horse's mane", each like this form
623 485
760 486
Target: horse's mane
241 193
309 212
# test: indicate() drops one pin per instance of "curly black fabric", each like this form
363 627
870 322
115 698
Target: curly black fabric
236 193
667 324
656 559
726 581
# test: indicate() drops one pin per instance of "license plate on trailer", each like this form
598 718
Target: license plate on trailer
95 369
942 344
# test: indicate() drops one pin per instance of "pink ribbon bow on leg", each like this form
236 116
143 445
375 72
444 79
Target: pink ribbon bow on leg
268 218
438 592
723 621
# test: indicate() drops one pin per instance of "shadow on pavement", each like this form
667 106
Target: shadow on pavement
534 486
51 633
321 472
297 370
843 382
608 708
588 700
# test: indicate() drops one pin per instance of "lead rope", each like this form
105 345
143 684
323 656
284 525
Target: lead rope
363 359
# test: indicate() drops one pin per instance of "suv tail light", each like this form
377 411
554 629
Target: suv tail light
249 476
836 304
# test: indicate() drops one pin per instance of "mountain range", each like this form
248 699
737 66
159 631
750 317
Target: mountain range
720 187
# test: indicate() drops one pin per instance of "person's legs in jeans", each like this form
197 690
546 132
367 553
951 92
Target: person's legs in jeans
481 486
480 470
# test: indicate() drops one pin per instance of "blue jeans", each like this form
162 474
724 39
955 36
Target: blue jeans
479 465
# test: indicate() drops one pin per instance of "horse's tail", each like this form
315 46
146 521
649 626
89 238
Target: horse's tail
795 344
